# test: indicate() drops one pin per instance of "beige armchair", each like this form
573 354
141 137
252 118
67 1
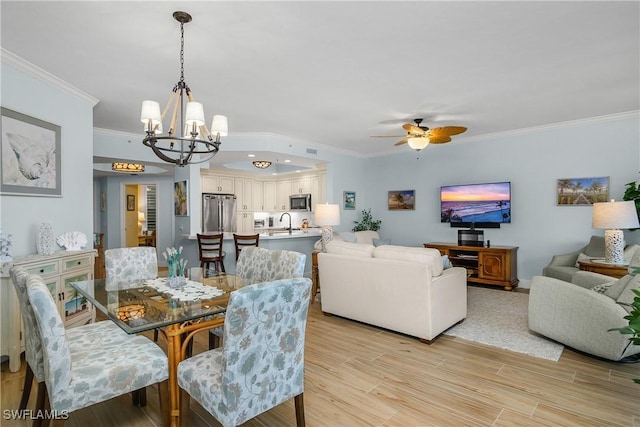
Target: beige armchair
578 316
564 266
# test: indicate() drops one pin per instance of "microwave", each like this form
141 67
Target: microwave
300 202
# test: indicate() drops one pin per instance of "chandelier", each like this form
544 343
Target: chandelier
261 164
127 167
193 137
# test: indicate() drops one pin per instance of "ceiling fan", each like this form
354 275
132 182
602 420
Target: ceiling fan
418 137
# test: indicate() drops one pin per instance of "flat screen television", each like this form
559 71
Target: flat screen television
476 205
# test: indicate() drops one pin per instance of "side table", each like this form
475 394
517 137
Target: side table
601 267
315 276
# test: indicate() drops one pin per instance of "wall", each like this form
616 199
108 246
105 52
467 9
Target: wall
32 91
532 161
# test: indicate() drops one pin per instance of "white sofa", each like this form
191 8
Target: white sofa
394 287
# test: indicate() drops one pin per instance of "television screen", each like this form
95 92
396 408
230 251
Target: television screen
476 203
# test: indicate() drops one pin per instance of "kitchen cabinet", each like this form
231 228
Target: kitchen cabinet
58 272
301 185
223 184
495 265
269 199
322 184
257 201
315 192
245 222
283 191
244 194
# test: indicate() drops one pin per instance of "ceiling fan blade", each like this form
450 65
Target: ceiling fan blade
447 130
387 136
439 139
413 129
404 141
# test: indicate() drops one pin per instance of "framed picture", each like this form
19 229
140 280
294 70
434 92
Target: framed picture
582 191
349 198
30 156
402 200
131 202
180 198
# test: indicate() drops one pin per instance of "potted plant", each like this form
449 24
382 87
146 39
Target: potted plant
367 222
632 193
633 328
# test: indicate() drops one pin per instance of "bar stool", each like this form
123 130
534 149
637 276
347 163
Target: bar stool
210 249
242 240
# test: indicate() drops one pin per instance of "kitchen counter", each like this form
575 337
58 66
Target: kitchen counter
274 233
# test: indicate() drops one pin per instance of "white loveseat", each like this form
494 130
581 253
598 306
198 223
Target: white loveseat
394 287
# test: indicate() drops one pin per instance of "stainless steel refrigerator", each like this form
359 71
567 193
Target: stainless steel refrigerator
219 213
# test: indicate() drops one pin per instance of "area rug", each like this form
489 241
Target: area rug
499 319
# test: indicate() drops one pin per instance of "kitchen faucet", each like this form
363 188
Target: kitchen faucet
282 216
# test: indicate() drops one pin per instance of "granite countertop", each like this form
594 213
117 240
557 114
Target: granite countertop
276 233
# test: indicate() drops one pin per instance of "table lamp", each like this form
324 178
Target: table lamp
327 215
141 219
614 216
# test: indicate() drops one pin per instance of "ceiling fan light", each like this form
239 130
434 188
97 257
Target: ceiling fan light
418 143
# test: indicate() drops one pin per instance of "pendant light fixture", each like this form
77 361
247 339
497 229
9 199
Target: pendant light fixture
127 167
193 142
418 143
261 164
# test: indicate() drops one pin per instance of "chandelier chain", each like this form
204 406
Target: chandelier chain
182 53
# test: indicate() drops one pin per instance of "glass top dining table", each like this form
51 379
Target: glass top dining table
179 310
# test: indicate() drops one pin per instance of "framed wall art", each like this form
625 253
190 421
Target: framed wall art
582 191
131 202
30 156
349 199
402 200
180 198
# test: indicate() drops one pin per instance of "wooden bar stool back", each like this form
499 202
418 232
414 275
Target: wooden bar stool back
210 250
242 240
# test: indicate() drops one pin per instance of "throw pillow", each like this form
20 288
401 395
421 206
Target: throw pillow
602 287
446 262
627 296
618 286
582 257
349 236
380 242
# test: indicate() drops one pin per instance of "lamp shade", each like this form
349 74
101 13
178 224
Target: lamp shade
194 114
614 214
150 111
327 214
141 217
219 125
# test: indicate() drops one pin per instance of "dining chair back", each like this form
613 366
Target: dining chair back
261 363
242 240
257 265
93 368
126 267
210 251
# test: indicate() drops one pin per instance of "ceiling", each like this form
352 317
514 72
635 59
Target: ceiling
335 73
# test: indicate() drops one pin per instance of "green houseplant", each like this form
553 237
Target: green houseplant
632 193
633 328
367 222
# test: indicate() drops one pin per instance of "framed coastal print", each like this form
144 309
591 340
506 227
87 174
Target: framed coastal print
582 191
30 156
401 200
131 202
180 198
349 199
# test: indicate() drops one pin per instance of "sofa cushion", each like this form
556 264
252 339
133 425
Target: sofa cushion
582 257
380 242
618 286
366 236
349 236
595 248
351 249
403 253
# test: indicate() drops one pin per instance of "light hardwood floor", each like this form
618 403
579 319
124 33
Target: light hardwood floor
358 375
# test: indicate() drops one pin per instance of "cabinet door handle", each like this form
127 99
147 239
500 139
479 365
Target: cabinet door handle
42 270
63 296
79 262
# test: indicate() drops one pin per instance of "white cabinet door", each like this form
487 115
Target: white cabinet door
244 194
283 192
315 192
301 185
270 200
322 192
245 222
218 184
257 201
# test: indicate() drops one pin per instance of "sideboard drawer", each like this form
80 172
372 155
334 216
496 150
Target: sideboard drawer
44 270
72 264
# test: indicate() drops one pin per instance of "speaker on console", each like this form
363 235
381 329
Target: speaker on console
471 237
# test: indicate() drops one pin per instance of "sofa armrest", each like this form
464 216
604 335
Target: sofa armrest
566 260
578 317
587 279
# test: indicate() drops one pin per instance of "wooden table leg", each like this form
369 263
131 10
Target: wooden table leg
175 357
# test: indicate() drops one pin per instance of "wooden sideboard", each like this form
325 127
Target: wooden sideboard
495 265
57 271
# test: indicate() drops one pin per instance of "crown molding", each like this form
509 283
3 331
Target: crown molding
33 70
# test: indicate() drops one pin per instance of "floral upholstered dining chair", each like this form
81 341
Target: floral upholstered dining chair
261 363
257 265
94 368
125 267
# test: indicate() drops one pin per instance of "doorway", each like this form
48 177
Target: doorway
140 215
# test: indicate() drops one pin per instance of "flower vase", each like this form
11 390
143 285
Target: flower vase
46 240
